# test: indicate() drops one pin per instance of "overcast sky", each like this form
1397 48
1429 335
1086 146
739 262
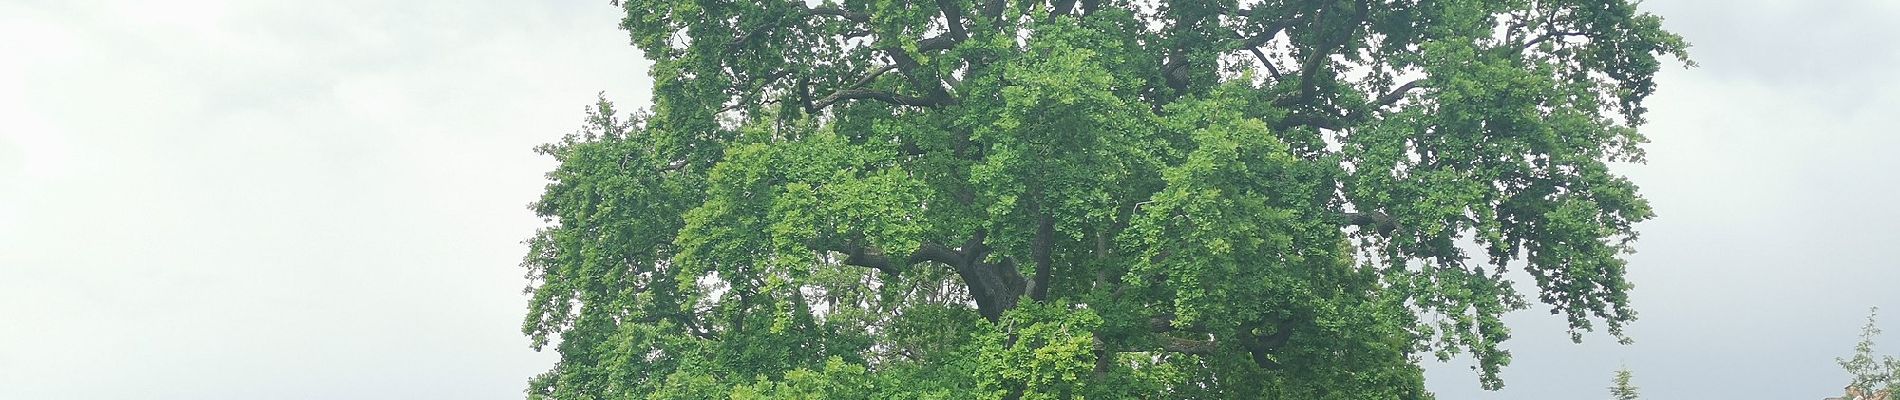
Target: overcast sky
321 200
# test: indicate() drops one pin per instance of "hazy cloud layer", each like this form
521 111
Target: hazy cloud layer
315 200
223 199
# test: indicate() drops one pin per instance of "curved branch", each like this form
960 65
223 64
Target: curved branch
875 258
867 257
1396 94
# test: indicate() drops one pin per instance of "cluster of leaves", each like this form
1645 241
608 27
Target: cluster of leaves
1089 198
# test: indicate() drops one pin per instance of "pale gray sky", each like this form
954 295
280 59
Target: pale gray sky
213 199
281 200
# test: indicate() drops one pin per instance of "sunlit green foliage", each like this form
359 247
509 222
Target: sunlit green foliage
1109 199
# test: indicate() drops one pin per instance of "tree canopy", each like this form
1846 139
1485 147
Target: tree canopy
1293 199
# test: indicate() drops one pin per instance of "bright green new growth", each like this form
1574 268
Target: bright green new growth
1620 387
1105 199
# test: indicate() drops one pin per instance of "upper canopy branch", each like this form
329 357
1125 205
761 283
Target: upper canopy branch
875 258
1321 52
887 97
1339 122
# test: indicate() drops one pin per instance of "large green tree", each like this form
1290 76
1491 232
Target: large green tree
1292 199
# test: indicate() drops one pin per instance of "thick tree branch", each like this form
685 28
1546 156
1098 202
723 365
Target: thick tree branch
1262 347
867 257
1041 252
935 43
996 288
866 80
1374 220
1340 122
886 97
1062 7
875 258
938 253
953 18
909 67
1396 94
1331 123
1282 332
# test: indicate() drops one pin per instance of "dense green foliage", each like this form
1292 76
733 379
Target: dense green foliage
1026 200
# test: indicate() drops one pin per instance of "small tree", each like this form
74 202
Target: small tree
1620 387
1869 374
1871 378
